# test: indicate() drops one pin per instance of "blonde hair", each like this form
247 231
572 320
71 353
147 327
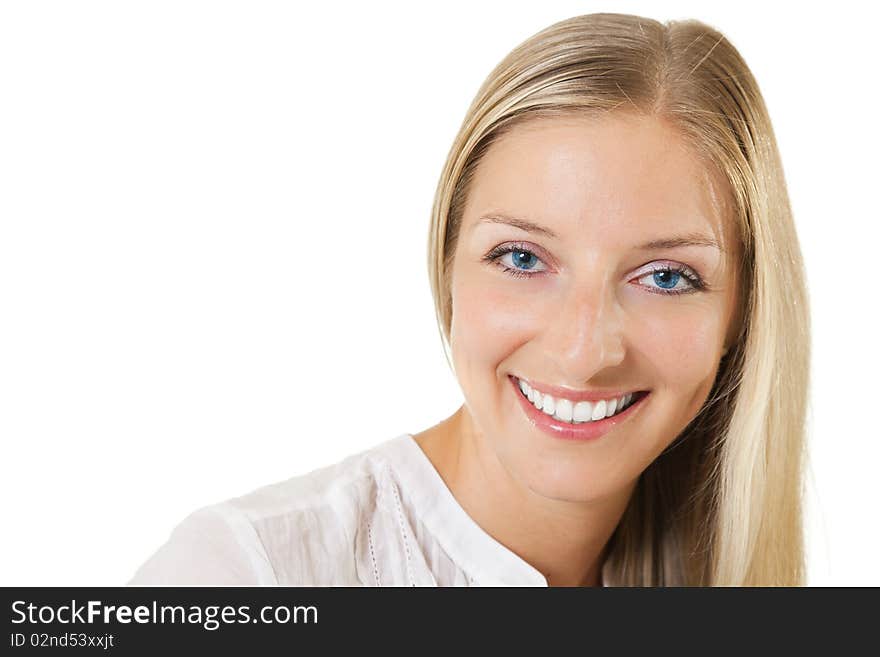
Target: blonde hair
723 504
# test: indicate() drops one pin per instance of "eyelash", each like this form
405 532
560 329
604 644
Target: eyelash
689 275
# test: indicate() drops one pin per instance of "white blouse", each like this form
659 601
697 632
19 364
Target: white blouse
383 517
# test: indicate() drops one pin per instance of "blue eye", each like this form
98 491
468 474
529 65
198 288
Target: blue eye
668 276
522 260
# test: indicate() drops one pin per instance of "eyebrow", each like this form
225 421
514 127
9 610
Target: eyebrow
528 226
688 239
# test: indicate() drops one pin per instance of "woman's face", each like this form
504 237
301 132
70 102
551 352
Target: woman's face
580 306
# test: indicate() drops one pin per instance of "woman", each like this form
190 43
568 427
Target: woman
618 283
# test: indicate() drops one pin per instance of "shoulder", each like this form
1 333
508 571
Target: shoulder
310 525
301 531
213 545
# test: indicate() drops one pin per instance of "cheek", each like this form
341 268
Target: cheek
682 347
489 320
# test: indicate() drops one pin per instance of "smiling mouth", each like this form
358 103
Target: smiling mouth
580 412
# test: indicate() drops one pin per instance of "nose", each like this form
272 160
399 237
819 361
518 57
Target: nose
584 333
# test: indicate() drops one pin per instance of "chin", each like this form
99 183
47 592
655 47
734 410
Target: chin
559 476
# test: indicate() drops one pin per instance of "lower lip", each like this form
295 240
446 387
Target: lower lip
583 431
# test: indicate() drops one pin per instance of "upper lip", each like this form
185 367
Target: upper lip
576 395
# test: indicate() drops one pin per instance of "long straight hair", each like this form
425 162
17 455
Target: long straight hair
722 506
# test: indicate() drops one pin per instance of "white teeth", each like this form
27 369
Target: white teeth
564 410
612 407
583 411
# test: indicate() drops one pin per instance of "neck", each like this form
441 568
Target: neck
564 540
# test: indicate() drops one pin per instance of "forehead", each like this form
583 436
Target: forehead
617 172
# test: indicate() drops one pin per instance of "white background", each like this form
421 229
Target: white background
213 237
